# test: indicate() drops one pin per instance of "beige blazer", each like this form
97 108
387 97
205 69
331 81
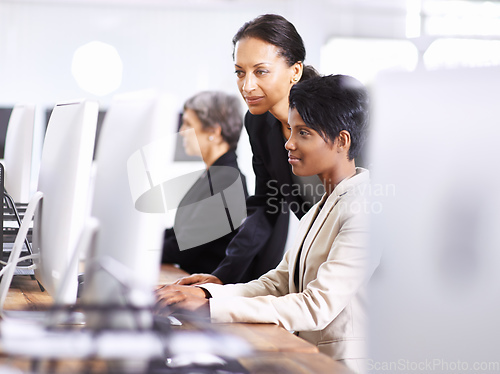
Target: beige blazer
328 308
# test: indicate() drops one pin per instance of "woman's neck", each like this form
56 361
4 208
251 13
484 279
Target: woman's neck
214 153
280 112
284 125
332 179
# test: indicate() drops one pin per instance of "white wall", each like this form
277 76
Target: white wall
177 48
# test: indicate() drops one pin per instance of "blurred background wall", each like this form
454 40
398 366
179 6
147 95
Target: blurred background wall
57 50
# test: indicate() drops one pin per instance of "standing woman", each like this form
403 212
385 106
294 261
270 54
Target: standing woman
269 59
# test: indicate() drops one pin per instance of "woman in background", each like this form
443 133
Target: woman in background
269 59
211 127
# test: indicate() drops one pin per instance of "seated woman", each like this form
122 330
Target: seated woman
211 126
317 290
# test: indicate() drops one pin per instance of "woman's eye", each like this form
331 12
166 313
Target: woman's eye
303 132
261 72
239 73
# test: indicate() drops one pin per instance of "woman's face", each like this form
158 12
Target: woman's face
195 142
308 153
263 76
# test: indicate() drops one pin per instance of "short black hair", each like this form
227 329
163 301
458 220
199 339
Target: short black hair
332 103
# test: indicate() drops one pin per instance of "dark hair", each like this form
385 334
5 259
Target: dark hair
276 30
218 108
333 103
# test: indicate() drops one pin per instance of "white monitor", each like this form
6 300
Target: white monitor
65 181
436 217
123 266
18 156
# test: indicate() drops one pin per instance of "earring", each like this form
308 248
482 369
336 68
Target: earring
210 138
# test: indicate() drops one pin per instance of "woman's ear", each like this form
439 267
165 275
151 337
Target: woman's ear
343 141
297 70
216 131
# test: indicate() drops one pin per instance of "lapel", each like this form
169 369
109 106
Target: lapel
202 188
311 230
317 221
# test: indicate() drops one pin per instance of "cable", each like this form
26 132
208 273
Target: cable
20 259
12 205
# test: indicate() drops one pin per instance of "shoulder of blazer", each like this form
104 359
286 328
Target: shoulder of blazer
223 172
264 134
258 122
227 159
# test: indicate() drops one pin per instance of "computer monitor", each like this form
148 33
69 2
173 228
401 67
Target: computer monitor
436 213
100 120
65 181
122 268
18 156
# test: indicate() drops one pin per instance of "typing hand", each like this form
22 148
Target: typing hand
182 298
198 279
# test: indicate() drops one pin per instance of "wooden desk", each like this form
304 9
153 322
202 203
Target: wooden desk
275 349
25 294
170 273
262 337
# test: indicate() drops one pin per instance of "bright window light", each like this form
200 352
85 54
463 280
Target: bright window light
363 58
97 68
451 53
462 18
413 18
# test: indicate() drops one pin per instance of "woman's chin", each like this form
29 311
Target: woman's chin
191 152
301 172
255 110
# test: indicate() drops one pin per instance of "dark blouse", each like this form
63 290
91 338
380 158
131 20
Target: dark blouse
202 229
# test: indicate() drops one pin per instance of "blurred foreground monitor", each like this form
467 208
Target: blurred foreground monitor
436 202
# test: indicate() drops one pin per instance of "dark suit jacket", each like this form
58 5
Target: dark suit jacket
206 257
259 244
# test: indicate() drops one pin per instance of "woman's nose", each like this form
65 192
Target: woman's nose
183 131
290 144
248 83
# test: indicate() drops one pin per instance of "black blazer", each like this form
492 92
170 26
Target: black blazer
206 257
258 247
